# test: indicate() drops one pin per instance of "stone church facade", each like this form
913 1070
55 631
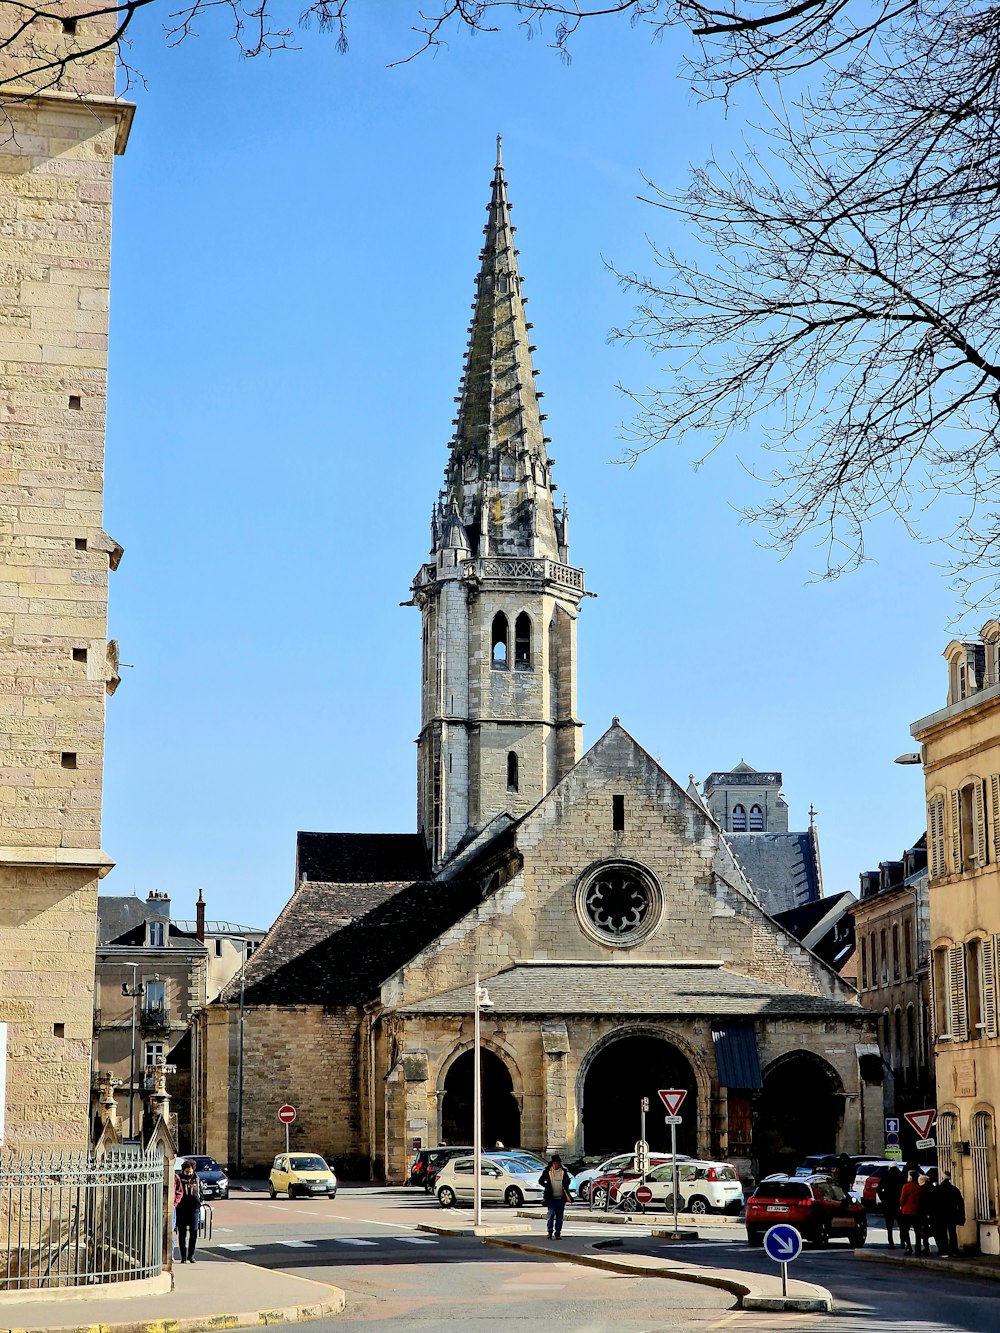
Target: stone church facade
624 948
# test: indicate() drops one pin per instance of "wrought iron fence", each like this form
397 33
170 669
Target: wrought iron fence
69 1220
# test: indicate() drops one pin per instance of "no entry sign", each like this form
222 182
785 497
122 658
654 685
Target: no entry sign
286 1114
643 1194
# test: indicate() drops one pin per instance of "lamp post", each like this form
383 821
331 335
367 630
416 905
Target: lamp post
132 992
239 1089
482 1002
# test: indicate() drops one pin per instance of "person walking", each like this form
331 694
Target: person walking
930 1213
555 1181
187 1209
887 1192
843 1173
952 1209
909 1213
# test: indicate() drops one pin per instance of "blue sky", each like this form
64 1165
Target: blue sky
294 251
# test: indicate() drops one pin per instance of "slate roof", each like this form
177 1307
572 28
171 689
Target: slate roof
361 858
337 943
687 989
781 867
118 915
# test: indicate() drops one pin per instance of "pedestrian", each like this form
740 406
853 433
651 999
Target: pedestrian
887 1191
843 1173
952 1207
555 1182
909 1212
187 1209
930 1214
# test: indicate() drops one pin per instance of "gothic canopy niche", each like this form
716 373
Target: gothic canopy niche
618 903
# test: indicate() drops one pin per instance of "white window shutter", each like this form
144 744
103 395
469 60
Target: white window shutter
979 824
989 981
956 833
958 1005
995 814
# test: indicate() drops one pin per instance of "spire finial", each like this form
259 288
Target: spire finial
499 153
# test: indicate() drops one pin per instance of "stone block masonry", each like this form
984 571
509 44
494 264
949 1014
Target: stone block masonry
58 138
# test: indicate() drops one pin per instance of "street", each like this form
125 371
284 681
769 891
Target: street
367 1242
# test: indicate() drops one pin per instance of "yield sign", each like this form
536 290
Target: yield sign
672 1098
921 1121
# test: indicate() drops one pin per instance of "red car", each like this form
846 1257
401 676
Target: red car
815 1205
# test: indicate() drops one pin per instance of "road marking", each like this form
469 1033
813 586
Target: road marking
345 1240
418 1240
234 1246
297 1244
534 1286
373 1222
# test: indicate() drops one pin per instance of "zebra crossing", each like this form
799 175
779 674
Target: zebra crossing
237 1247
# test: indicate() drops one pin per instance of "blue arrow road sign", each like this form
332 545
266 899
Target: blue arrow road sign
782 1243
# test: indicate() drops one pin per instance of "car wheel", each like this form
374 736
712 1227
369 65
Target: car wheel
857 1238
599 1197
224 1194
755 1239
668 1204
699 1205
583 1191
446 1196
271 1190
513 1197
822 1235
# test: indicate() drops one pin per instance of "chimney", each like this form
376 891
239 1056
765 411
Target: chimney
199 910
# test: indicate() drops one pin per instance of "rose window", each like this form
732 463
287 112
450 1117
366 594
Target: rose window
618 903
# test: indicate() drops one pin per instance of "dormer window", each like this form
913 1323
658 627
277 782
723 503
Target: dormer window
739 819
156 934
499 638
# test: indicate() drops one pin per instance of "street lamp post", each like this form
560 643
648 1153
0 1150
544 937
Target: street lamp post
133 992
239 1090
482 1002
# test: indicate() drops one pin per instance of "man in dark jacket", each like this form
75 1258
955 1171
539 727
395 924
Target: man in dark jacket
952 1210
887 1191
555 1181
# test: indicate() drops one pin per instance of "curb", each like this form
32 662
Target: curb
747 1298
289 1314
956 1267
613 1218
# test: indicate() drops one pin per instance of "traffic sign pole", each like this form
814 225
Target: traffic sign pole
674 1173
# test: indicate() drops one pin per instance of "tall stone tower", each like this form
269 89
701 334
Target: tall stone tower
499 598
60 127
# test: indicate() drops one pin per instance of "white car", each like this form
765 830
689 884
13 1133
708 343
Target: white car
623 1161
703 1187
509 1180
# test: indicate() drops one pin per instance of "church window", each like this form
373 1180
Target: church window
739 819
618 903
499 641
618 814
522 640
512 772
756 819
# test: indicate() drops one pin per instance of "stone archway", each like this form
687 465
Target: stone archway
620 1071
800 1111
501 1111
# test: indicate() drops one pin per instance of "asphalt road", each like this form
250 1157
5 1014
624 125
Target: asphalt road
366 1241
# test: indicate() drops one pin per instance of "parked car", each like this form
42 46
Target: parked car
866 1182
213 1178
611 1166
503 1179
825 1163
301 1174
429 1161
703 1187
814 1204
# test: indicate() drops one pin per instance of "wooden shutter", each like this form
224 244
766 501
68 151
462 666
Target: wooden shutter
957 1002
978 824
988 963
995 814
935 834
956 833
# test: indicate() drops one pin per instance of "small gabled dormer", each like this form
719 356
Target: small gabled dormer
966 660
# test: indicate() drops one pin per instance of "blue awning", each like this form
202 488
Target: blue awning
736 1055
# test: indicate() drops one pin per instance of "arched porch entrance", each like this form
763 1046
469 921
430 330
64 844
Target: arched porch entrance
800 1111
501 1115
620 1074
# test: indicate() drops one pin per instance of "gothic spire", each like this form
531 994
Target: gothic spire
499 475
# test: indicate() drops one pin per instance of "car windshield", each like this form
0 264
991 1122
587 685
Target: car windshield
517 1166
826 1189
782 1189
206 1164
309 1164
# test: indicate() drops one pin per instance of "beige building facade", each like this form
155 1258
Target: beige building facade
961 758
58 140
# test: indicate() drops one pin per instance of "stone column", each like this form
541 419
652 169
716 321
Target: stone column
555 1047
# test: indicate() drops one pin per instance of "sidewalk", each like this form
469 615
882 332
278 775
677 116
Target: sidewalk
213 1293
972 1265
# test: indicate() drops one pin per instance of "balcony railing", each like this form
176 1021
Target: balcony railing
154 1016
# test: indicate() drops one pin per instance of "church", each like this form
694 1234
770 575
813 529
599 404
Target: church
623 944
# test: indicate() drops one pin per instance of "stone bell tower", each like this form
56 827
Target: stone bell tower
499 598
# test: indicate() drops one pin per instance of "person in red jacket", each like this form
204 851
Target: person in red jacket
909 1212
